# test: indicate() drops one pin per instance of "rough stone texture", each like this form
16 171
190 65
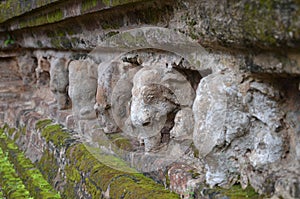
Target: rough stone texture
59 81
156 97
242 126
43 71
82 93
27 66
183 114
263 24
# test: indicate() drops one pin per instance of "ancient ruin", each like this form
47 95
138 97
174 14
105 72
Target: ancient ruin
150 99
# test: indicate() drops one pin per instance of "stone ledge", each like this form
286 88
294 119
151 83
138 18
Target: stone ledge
75 169
14 8
37 12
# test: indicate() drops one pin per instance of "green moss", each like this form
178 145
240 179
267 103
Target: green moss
88 5
120 142
72 174
136 186
11 131
109 170
55 42
42 124
37 186
11 184
50 17
94 191
48 165
55 134
236 192
259 21
112 3
195 151
55 16
106 2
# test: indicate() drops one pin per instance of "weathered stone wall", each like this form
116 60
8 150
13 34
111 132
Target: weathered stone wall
191 93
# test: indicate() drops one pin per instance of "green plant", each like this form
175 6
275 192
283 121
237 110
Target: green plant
190 192
8 41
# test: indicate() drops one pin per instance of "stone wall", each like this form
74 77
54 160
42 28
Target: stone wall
194 94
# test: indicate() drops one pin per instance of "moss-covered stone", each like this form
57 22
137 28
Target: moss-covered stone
48 165
42 124
121 142
28 174
108 171
55 134
86 167
236 192
88 5
11 184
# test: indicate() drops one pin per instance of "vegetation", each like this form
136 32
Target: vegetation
19 177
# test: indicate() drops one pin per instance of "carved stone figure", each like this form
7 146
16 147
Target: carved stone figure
27 65
59 82
82 88
157 96
43 71
183 124
114 90
237 123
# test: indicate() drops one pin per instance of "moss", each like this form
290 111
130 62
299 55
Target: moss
261 30
167 180
88 5
11 184
33 180
42 124
75 41
55 16
50 17
121 142
235 192
94 191
48 165
119 2
108 170
55 42
195 151
110 24
137 186
72 174
55 134
11 131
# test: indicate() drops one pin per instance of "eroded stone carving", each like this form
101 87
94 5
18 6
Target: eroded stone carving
59 81
183 124
156 99
237 123
27 65
82 88
144 99
42 71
